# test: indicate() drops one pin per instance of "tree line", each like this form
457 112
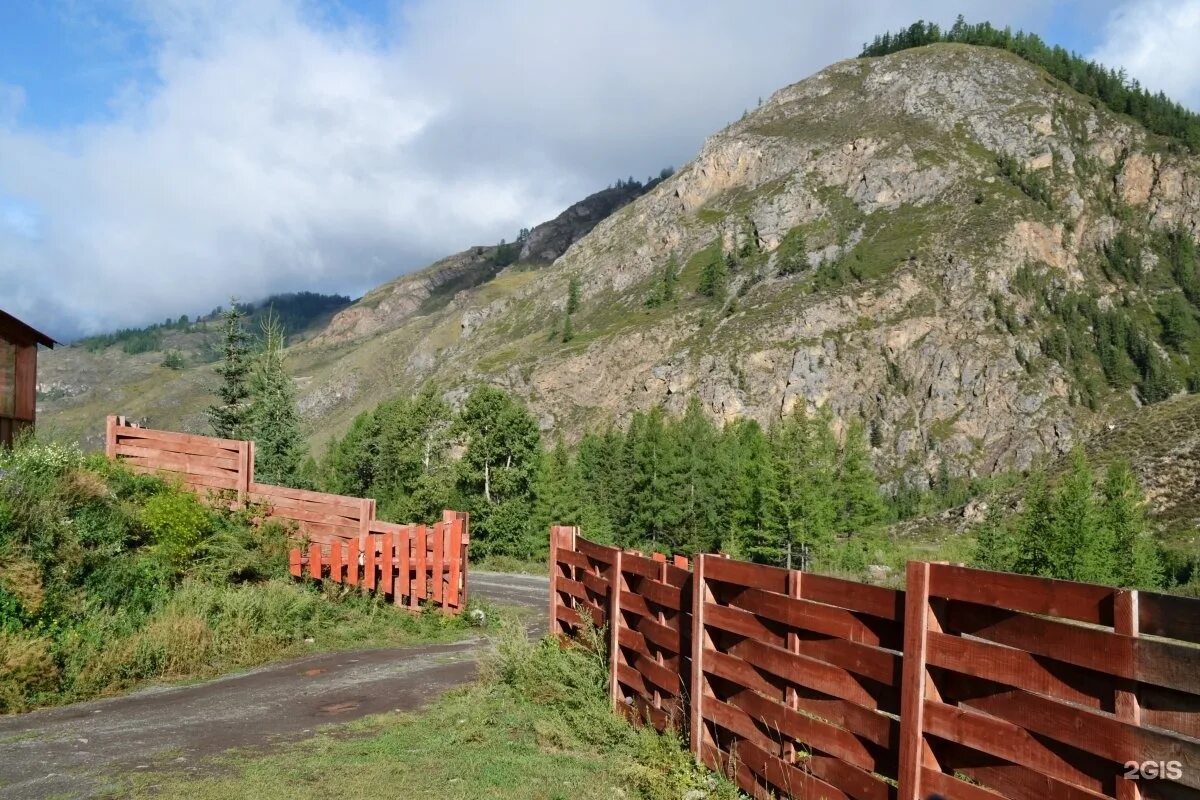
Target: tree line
1114 88
801 492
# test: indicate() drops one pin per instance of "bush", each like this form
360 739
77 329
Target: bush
26 670
178 525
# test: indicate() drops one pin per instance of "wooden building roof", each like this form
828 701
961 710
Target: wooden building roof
17 332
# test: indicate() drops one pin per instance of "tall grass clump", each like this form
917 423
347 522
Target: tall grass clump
110 578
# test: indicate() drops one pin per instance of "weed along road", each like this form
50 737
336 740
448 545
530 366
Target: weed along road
69 751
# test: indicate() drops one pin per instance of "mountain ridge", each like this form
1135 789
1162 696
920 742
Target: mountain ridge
899 235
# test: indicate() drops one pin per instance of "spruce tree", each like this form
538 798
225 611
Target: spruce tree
703 468
573 295
994 545
273 421
1081 546
1135 559
805 466
228 417
860 504
713 277
1034 546
754 515
655 488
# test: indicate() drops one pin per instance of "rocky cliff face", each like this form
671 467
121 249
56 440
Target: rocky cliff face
882 222
551 239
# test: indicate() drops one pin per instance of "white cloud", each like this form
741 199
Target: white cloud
275 151
1155 40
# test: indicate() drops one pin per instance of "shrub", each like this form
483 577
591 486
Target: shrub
26 669
177 523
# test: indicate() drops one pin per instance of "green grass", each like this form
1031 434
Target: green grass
537 726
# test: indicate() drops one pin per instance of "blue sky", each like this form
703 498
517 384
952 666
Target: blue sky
187 150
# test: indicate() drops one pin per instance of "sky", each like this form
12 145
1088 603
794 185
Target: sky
160 156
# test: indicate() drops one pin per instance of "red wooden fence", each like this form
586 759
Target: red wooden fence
343 539
972 684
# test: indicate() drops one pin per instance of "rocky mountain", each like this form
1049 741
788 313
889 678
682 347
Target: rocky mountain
946 243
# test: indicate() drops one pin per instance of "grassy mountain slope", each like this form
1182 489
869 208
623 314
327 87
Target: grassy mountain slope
908 239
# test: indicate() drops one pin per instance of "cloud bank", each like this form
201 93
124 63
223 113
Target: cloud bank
277 148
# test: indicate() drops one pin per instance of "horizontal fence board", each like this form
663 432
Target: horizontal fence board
1081 602
1169 616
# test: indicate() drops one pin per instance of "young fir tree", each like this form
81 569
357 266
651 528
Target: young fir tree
560 492
994 545
228 417
860 505
1081 546
754 489
273 421
573 295
604 471
703 492
1136 562
1035 531
654 490
713 277
805 465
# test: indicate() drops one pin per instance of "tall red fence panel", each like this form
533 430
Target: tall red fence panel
342 540
651 645
1030 688
970 684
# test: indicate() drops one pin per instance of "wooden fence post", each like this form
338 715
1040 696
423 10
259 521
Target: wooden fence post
699 598
552 624
1125 623
245 467
912 686
110 437
614 626
790 697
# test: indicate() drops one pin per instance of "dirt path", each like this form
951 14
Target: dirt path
59 752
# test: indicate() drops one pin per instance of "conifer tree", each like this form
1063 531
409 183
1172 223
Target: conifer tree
754 519
703 491
655 482
1034 545
1081 546
861 506
994 546
228 416
1136 562
273 421
805 467
573 295
713 277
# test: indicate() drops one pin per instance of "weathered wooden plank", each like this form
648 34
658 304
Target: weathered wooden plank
1169 616
743 573
1081 602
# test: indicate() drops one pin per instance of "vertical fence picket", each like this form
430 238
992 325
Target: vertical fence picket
419 578
335 562
454 554
615 622
699 638
1126 703
437 541
387 562
314 561
912 705
294 564
354 546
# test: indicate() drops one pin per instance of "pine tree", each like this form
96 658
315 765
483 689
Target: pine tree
754 515
228 417
861 506
1135 559
1036 531
573 295
703 471
805 464
994 545
655 489
713 277
273 421
1081 546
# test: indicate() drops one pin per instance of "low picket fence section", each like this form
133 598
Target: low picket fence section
971 685
336 529
414 565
